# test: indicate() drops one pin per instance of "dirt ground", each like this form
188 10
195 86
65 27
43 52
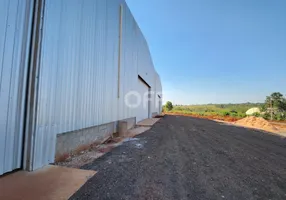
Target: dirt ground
77 160
189 158
281 127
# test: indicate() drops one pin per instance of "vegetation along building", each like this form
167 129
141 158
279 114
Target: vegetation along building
70 70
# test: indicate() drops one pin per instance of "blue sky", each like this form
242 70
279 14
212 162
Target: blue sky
216 51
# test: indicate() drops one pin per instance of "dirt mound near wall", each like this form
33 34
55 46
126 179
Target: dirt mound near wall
256 122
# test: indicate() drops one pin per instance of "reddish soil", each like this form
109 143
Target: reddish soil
279 125
211 117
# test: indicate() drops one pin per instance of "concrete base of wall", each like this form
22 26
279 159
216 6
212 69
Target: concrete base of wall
131 122
154 114
79 140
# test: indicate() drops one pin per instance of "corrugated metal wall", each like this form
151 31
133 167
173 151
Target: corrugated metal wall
129 60
78 83
136 56
78 70
142 110
158 96
15 18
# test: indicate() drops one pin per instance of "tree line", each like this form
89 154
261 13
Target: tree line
273 108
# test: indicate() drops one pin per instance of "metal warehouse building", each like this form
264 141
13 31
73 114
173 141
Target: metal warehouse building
69 70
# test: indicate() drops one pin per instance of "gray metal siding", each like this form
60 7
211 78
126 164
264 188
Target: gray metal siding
78 70
78 82
129 63
142 111
15 18
158 101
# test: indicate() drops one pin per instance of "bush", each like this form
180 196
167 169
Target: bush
242 115
256 114
169 106
225 113
233 114
280 116
233 111
266 116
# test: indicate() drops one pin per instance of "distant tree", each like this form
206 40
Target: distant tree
276 100
169 105
275 104
263 107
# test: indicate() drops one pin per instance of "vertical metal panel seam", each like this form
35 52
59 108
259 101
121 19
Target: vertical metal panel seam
26 57
33 86
119 47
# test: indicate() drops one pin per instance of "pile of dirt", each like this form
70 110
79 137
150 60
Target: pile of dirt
256 122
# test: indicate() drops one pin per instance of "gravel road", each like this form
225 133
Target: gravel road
188 158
